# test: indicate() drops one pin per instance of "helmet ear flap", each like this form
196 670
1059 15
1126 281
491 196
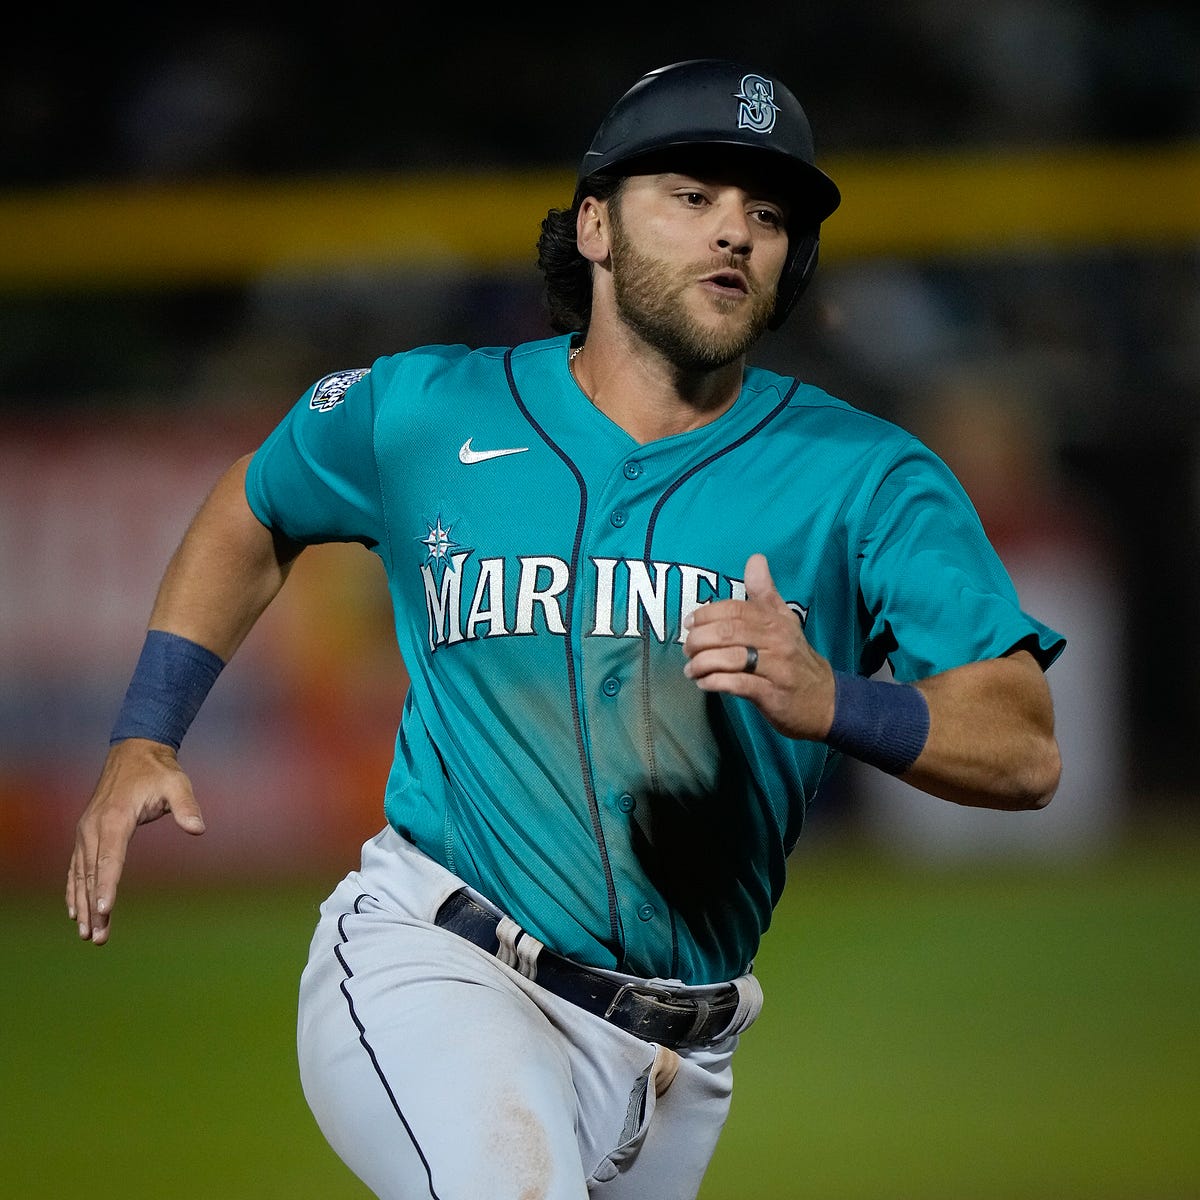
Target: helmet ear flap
801 263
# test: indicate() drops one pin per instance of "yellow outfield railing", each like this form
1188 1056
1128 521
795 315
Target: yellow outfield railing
135 235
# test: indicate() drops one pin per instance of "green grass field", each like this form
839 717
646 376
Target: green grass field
933 1034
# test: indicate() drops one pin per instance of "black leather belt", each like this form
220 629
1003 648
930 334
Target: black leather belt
651 1012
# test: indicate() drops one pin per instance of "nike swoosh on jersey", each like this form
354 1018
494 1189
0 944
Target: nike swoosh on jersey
468 456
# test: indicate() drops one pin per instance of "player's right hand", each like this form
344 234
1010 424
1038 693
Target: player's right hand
141 781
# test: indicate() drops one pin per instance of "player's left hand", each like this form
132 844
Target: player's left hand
141 782
792 685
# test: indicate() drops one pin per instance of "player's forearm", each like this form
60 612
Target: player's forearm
227 569
991 737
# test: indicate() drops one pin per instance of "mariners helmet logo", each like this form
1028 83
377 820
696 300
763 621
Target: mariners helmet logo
758 109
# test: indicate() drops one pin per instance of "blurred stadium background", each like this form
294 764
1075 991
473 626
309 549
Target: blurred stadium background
200 216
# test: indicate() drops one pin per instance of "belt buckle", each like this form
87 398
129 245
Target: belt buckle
646 990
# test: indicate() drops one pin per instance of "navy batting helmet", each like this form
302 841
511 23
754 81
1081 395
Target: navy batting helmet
710 102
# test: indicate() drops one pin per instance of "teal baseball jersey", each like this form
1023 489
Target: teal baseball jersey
540 562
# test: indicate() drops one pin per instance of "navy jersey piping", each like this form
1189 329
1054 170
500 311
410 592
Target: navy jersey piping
589 784
647 555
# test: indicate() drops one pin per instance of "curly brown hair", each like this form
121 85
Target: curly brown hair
568 275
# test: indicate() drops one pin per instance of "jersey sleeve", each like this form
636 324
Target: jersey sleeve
935 592
314 478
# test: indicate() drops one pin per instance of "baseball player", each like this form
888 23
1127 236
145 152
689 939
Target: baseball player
644 592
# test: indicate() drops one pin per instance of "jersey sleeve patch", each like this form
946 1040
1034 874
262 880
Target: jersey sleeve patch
331 390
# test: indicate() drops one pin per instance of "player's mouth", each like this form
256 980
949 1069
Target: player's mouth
727 282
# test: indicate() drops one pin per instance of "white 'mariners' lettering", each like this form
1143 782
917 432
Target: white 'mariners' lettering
654 603
487 604
690 598
529 594
652 600
442 600
605 569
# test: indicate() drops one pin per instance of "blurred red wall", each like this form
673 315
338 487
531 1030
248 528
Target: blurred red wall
290 753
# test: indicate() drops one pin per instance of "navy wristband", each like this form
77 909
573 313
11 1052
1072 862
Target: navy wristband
880 723
171 679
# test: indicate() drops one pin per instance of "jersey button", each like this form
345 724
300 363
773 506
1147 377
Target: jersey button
646 912
618 518
611 686
626 803
633 469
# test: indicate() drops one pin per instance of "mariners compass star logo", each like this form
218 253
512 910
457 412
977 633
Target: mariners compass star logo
443 552
438 543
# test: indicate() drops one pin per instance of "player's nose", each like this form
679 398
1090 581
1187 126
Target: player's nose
732 232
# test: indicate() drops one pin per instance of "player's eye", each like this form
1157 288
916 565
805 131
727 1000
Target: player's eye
769 216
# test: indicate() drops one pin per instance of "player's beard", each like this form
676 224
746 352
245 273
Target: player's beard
650 300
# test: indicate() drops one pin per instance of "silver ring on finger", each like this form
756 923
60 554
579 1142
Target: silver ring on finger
751 660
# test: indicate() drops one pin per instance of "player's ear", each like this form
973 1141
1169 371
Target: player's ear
592 229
